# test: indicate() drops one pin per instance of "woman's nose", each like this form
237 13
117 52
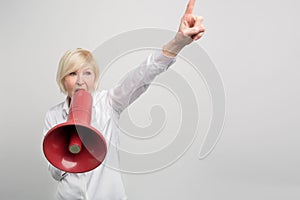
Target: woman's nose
79 80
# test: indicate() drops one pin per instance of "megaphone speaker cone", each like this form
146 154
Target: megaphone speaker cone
75 146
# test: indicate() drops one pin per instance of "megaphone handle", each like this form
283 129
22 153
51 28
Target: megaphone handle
75 143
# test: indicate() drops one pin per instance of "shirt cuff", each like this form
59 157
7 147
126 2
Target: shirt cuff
161 59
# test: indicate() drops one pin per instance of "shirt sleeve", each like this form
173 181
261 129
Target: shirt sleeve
138 80
55 173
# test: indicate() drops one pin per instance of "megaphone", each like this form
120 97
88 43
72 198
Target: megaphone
75 146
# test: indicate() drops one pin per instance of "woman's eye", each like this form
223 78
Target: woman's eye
88 73
72 74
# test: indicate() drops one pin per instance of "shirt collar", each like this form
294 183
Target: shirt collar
66 107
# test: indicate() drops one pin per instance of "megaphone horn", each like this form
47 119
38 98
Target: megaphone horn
75 146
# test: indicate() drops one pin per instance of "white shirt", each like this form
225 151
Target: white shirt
105 183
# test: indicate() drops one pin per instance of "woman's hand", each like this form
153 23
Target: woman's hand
191 25
190 29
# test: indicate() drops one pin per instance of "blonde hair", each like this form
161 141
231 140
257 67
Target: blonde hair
73 60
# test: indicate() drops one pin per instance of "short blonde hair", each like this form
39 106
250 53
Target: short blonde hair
73 60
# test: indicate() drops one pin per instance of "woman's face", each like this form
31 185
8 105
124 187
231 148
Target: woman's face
83 78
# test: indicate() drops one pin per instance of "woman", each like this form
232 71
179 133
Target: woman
78 70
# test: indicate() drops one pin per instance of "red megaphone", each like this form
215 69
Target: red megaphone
75 146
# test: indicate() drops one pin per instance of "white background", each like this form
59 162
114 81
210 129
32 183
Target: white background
254 45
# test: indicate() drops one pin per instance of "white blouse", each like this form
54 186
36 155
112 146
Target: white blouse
105 181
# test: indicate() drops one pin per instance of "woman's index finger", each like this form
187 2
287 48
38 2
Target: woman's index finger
190 7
